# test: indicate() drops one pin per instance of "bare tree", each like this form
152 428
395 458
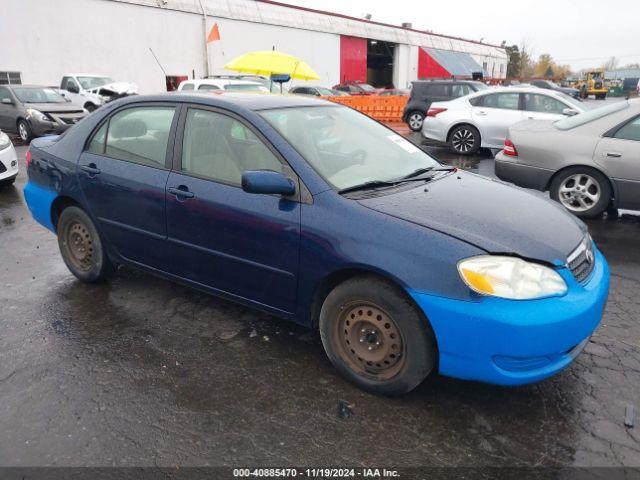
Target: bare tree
611 64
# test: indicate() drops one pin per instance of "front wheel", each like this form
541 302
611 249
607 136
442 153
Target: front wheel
24 130
81 246
90 107
465 140
583 191
415 120
377 338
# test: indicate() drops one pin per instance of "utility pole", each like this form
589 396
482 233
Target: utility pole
204 37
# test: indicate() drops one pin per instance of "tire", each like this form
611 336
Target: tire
583 191
24 130
415 120
376 337
465 140
81 246
90 107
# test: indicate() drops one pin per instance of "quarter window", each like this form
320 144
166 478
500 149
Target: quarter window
204 86
534 102
220 148
631 131
460 90
437 90
187 86
139 135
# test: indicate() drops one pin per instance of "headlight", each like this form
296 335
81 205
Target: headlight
37 114
5 141
510 277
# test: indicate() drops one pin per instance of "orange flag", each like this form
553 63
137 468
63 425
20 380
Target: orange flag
214 34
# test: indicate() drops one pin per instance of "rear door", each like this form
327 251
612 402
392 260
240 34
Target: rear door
239 243
619 153
494 113
123 174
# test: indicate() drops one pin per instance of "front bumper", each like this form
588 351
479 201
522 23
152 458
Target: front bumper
515 342
527 176
8 163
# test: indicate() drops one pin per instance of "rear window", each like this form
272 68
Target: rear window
589 116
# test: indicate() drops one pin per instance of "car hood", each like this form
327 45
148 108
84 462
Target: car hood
489 214
54 107
117 88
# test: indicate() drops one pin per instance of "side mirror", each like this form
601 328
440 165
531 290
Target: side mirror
569 112
73 89
7 101
267 182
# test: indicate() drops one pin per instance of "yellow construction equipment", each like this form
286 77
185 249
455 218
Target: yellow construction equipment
592 84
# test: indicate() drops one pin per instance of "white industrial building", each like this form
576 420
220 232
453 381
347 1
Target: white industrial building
42 40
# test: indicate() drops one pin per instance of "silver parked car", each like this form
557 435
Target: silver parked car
587 162
482 118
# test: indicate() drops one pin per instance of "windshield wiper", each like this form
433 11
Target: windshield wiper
420 171
411 177
367 186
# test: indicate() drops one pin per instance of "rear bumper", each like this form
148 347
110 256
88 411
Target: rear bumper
47 128
434 130
522 175
39 201
510 342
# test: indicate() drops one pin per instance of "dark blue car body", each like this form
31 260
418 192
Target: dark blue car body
283 255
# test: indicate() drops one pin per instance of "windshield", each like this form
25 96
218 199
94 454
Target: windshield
246 87
366 87
325 92
589 116
93 82
38 95
345 147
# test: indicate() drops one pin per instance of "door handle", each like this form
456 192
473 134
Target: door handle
91 169
614 154
181 191
482 113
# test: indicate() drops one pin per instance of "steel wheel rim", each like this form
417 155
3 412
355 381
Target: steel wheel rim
463 140
79 245
370 340
22 130
415 120
579 192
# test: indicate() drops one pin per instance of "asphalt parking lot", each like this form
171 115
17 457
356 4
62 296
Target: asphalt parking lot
141 371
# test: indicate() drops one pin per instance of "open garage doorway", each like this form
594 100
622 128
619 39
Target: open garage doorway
380 58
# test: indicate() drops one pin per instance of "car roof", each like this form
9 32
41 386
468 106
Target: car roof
26 86
251 101
84 75
427 81
218 82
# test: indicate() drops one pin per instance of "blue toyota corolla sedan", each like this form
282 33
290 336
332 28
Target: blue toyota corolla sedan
316 213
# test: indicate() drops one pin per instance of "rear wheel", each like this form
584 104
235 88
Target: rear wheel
81 246
583 191
376 337
24 130
90 107
415 120
465 140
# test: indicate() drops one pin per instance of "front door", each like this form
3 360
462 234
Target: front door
220 236
495 115
619 154
7 111
123 176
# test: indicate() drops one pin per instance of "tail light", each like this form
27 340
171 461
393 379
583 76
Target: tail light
509 148
27 158
432 112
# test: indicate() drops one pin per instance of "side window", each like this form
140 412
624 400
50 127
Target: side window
187 86
4 93
140 135
96 145
220 148
71 83
631 131
460 90
477 101
534 102
63 84
437 90
204 86
342 88
505 101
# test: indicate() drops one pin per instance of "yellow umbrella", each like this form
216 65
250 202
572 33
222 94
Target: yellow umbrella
270 62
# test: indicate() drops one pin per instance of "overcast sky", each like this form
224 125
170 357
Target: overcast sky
580 33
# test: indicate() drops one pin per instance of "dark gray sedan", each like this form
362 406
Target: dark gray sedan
32 111
587 162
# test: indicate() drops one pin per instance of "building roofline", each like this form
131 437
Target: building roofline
373 22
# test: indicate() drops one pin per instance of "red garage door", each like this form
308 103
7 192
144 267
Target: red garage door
353 59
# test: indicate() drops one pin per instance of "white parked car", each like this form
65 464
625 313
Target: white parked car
482 118
90 91
222 84
8 160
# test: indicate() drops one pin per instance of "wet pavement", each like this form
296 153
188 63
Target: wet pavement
141 371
